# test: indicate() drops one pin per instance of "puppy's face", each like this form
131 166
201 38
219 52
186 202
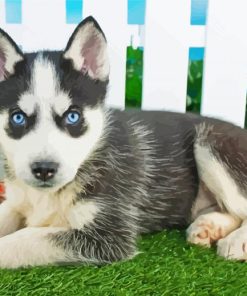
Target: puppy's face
51 116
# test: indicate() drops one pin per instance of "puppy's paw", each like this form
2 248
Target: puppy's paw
203 232
8 252
234 246
211 227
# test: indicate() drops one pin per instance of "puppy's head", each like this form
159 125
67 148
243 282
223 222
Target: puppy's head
51 116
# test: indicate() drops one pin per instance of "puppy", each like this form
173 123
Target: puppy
83 181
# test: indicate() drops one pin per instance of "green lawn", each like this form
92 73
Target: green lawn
166 266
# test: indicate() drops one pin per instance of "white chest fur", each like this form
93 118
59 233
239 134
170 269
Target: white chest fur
41 208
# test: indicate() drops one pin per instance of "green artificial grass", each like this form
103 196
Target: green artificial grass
166 266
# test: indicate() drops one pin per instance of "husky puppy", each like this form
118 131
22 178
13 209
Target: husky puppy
82 181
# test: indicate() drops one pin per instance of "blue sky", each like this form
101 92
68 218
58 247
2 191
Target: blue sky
13 11
136 12
198 12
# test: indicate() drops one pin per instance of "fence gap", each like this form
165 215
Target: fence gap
74 11
13 11
134 73
194 79
245 121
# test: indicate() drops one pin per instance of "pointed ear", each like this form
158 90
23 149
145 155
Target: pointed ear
87 49
10 54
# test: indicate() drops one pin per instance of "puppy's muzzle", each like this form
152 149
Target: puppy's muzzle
44 171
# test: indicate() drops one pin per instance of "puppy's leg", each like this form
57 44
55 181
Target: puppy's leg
234 246
220 151
50 245
209 223
10 220
211 227
29 247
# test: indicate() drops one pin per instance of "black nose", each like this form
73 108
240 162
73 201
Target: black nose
44 170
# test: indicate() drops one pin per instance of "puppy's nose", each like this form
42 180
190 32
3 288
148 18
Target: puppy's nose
44 170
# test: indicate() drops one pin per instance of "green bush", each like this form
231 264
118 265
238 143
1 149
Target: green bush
194 86
134 68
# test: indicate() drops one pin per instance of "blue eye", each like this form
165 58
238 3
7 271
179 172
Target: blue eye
18 119
72 117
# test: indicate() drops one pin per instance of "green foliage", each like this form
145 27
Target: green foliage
133 93
134 70
194 86
167 265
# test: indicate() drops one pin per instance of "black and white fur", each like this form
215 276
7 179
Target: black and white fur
118 173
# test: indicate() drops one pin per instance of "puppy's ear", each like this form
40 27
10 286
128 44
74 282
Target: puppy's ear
10 54
87 49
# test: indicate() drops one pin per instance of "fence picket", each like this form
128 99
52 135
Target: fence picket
225 65
166 54
43 25
114 24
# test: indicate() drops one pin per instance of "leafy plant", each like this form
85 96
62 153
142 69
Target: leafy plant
194 86
134 70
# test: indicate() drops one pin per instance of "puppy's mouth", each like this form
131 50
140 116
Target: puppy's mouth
52 185
45 185
39 185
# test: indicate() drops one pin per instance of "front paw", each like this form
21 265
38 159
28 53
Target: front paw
234 246
31 246
204 232
16 250
8 253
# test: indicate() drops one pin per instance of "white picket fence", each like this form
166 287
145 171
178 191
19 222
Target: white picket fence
167 36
